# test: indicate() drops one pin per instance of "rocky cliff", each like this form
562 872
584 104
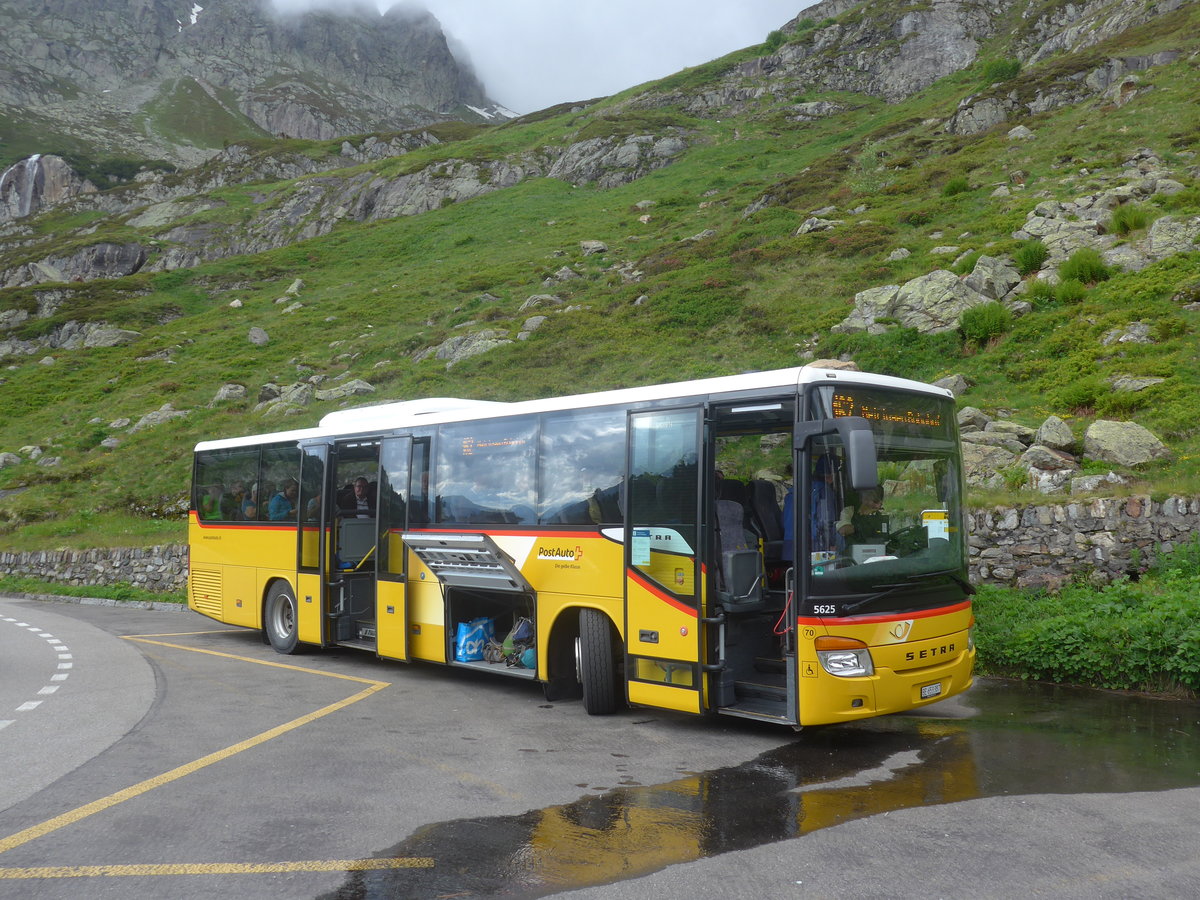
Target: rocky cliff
171 79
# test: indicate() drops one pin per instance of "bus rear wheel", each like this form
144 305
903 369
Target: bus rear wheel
279 619
594 663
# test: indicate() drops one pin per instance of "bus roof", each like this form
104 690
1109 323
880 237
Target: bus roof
436 410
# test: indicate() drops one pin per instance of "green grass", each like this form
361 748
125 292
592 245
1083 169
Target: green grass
122 592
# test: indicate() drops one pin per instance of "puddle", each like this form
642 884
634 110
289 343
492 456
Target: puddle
1021 739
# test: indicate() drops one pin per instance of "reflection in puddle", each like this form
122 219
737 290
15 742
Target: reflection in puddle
1022 739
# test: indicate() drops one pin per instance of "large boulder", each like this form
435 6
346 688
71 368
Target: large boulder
983 465
993 277
1170 235
1122 443
1055 434
931 304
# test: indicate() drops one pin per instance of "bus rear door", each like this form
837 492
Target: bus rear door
664 584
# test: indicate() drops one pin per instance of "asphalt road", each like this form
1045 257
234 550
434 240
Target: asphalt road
181 758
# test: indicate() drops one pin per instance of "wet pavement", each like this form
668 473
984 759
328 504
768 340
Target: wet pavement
1003 738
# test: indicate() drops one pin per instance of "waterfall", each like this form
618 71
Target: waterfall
18 186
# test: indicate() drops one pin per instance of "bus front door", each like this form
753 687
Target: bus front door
664 585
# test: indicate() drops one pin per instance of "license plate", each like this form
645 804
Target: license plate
930 690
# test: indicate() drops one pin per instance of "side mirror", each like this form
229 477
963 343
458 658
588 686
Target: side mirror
859 441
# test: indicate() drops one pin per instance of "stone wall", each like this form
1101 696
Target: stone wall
161 568
1025 546
1105 537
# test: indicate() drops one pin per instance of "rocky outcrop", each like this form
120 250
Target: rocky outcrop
102 260
70 336
313 206
239 66
1115 81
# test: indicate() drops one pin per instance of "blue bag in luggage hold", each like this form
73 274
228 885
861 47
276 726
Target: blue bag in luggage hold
471 637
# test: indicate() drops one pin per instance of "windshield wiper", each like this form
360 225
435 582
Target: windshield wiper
889 589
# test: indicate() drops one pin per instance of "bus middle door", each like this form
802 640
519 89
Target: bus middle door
664 583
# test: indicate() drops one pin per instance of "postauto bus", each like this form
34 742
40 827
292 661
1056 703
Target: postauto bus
787 546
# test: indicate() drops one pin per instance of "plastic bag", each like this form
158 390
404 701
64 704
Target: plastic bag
471 639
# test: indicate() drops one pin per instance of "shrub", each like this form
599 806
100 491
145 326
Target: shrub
1129 217
980 324
1041 292
1030 256
773 42
956 185
1081 393
916 218
1000 70
1069 291
1086 266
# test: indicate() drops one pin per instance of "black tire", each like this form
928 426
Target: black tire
594 661
280 619
561 681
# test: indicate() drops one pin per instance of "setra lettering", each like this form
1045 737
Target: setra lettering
929 653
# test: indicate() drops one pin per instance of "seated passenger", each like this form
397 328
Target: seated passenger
216 505
249 509
283 505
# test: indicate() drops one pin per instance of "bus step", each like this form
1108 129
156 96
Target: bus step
765 664
757 702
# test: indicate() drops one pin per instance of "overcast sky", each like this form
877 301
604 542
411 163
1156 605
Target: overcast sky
531 54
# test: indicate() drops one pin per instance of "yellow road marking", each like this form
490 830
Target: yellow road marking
261 662
96 806
312 865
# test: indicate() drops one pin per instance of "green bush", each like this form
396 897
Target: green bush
1129 635
1082 393
1086 266
1130 217
1030 256
916 218
773 42
980 324
1000 70
956 185
1041 293
1069 291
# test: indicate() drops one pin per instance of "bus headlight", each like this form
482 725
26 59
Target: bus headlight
844 657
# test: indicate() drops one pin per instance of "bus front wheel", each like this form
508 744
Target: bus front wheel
594 663
279 618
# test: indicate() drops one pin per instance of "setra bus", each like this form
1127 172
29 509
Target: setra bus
631 546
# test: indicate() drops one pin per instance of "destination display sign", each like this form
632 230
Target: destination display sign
893 410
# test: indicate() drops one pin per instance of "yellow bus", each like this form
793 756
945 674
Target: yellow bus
630 546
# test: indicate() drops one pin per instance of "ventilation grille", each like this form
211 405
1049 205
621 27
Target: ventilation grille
205 587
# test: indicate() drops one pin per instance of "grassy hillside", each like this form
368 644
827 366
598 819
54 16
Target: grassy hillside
724 291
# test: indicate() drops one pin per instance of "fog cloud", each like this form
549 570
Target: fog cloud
531 54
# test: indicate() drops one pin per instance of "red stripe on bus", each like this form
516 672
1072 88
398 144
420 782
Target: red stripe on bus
661 594
524 532
890 617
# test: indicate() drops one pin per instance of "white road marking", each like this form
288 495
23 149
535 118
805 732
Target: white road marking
61 651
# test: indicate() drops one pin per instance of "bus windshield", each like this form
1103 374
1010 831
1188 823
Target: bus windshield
902 545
